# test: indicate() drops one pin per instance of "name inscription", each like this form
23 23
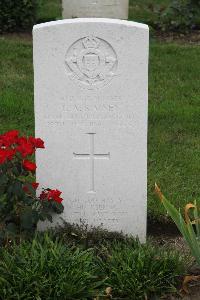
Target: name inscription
90 112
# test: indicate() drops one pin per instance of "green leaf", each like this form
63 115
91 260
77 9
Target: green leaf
16 171
3 179
17 188
197 220
27 219
57 207
11 228
186 229
174 214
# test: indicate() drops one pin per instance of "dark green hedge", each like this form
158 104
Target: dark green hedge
17 15
180 15
183 15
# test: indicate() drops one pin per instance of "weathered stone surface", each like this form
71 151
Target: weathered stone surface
91 99
116 9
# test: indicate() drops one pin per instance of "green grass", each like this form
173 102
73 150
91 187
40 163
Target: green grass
48 268
49 10
16 85
174 110
137 271
174 123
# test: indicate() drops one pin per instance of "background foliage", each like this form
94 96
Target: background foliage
180 15
165 15
17 15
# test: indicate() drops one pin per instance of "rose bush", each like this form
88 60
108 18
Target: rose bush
20 208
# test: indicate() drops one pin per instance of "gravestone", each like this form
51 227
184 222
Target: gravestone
115 9
91 98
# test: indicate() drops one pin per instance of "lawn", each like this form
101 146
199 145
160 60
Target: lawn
174 109
174 123
49 10
16 85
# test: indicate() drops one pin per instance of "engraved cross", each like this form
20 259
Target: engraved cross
92 156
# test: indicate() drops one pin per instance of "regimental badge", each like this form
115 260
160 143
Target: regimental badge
92 62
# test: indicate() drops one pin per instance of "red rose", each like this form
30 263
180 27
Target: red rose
55 195
34 185
51 195
43 195
29 166
6 154
36 142
12 134
3 156
22 140
10 153
25 189
25 148
9 138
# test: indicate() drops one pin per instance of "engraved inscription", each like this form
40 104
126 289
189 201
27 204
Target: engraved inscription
93 112
92 62
104 209
92 156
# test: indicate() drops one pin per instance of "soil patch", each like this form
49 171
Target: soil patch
25 36
158 228
192 37
193 295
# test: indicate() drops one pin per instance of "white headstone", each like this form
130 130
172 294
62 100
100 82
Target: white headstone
91 98
115 9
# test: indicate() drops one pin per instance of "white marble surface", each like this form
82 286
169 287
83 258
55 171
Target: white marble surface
116 9
91 100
